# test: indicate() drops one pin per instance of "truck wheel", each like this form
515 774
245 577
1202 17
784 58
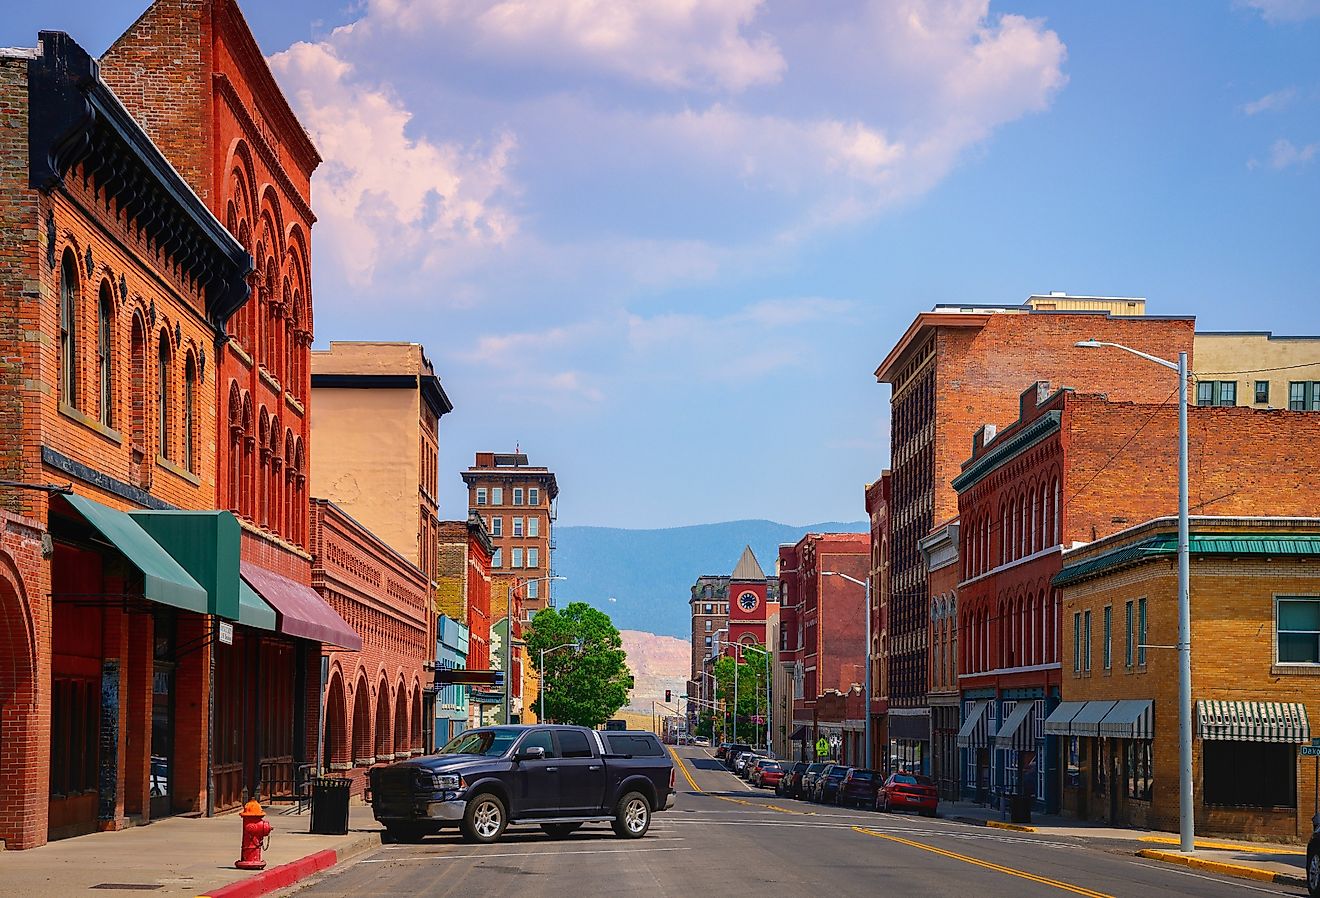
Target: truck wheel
1312 872
559 830
632 816
484 820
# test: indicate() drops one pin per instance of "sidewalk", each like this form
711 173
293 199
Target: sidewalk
1261 861
180 856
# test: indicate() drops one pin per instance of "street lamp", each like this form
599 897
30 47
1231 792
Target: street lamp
766 653
575 645
718 652
1186 809
866 655
508 647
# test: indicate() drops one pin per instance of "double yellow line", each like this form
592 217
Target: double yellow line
1008 871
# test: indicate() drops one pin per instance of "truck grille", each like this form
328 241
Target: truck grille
396 786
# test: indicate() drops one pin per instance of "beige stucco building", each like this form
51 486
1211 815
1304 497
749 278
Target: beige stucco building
376 433
1257 369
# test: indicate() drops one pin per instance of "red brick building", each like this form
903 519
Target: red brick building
464 593
828 637
373 696
940 550
955 367
878 498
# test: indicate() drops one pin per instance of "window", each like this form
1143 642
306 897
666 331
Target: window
1262 392
163 397
518 527
1140 769
533 496
1109 631
573 744
481 495
533 527
1297 624
533 557
189 407
1141 632
1227 392
497 526
69 330
516 558
1086 640
1216 392
105 312
539 739
637 745
1127 635
517 495
74 727
707 642
1249 774
1077 642
497 495
497 558
1304 396
708 606
709 626
533 589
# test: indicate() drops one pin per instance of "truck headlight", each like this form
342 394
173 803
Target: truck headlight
447 781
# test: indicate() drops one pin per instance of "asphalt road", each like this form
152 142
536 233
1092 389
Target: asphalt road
723 837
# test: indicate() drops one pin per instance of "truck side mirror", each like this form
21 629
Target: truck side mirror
531 753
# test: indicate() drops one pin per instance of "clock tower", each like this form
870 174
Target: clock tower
747 600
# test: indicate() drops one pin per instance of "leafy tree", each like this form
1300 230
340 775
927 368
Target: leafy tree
583 687
751 693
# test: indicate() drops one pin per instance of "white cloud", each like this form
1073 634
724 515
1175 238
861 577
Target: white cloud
383 195
1276 11
1285 154
1271 102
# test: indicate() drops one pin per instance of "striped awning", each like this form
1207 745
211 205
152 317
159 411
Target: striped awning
1130 719
1086 722
975 732
1253 721
1061 718
1019 730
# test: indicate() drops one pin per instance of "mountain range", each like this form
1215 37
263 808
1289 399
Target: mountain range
642 578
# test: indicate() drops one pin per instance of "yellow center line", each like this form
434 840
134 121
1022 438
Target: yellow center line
1022 874
682 768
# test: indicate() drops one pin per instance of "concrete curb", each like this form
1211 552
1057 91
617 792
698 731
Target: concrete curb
292 873
995 824
1238 870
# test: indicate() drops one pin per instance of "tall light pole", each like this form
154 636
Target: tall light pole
766 653
508 640
576 645
866 655
719 652
1186 808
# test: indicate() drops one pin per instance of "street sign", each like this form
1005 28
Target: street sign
835 740
1311 751
226 633
822 747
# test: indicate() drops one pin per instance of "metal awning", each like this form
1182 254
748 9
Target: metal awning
1131 718
206 544
301 612
975 731
799 733
1019 729
253 610
1253 721
1086 722
164 580
1061 717
458 676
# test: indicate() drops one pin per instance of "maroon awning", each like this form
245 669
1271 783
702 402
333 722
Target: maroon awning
302 612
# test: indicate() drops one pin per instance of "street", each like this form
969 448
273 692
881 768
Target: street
724 837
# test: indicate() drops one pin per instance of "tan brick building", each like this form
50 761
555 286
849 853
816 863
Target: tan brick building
1255 604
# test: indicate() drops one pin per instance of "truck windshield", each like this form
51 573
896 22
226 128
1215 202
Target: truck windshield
491 743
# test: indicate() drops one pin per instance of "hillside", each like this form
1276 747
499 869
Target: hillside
657 663
641 578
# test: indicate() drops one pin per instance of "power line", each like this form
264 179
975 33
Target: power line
1264 370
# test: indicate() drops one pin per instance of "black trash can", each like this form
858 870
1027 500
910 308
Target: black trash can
330 805
1021 812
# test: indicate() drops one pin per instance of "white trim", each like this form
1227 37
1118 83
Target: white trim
1012 564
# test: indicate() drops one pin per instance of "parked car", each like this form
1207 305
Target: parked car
742 760
827 784
908 792
701 742
732 752
1313 865
807 785
754 765
722 751
858 788
768 773
790 781
557 777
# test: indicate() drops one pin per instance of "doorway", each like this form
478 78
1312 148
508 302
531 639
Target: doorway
162 717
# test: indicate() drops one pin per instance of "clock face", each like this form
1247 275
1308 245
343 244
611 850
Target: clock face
748 601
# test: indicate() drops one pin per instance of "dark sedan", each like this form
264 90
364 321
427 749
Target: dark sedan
827 784
791 781
807 784
858 789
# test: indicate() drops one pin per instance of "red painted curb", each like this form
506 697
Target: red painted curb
279 877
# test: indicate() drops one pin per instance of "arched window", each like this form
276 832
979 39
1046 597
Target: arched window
1003 535
105 314
1024 548
1034 544
1046 525
235 447
163 396
69 330
1058 515
189 410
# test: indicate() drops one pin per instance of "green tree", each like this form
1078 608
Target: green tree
751 694
584 687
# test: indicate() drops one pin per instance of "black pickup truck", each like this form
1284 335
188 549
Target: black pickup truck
559 777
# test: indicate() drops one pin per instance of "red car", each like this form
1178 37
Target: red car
908 792
768 774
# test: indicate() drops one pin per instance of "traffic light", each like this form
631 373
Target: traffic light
667 694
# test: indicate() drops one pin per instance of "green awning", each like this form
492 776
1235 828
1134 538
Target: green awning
206 544
253 610
1165 545
164 580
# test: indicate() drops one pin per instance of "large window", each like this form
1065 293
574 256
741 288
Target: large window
74 735
1086 640
533 557
105 313
189 408
497 495
1108 637
481 495
1140 769
69 330
516 558
1127 635
517 495
1077 642
1262 392
1304 395
1141 632
533 589
1297 624
518 527
497 526
533 527
163 397
1249 774
1216 392
533 496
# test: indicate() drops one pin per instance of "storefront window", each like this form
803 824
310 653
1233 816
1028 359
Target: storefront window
1249 774
1140 769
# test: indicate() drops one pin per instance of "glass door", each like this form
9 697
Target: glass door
162 719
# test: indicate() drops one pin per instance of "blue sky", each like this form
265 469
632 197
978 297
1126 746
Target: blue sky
662 245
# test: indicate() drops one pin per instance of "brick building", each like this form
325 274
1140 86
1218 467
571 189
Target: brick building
1254 613
940 549
878 497
825 630
709 602
116 285
953 368
464 594
374 707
